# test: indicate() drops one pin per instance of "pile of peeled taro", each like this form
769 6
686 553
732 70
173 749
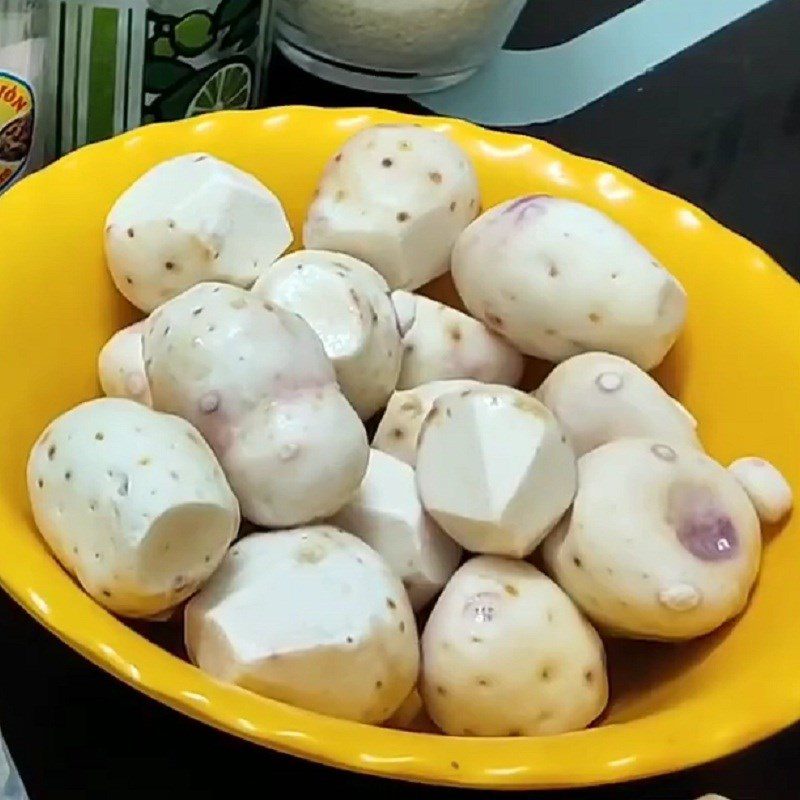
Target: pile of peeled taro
244 394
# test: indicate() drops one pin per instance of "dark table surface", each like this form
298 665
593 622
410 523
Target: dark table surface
719 125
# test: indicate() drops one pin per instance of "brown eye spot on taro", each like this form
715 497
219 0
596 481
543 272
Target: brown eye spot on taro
169 265
391 603
455 334
494 320
387 162
594 317
552 270
482 607
403 216
511 590
701 525
397 433
130 233
436 177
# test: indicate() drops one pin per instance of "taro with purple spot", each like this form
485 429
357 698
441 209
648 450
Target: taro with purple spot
702 526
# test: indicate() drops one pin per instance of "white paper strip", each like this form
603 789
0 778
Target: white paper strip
525 87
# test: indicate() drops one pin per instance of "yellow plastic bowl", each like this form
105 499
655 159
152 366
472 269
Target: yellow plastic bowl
737 367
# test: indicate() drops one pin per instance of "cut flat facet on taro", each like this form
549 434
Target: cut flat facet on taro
133 503
506 653
558 278
387 514
400 426
661 542
346 302
312 617
193 218
599 397
395 196
495 470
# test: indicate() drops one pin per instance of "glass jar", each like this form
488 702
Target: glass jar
124 63
23 40
394 45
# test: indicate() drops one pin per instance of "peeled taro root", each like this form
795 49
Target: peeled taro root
494 469
506 653
121 365
256 382
387 514
397 197
133 503
441 343
190 219
661 543
312 617
599 397
769 492
347 304
400 426
558 278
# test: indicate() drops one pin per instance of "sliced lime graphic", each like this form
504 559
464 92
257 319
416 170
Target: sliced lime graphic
194 33
162 47
228 88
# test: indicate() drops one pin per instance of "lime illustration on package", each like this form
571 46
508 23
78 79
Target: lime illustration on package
123 63
16 126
